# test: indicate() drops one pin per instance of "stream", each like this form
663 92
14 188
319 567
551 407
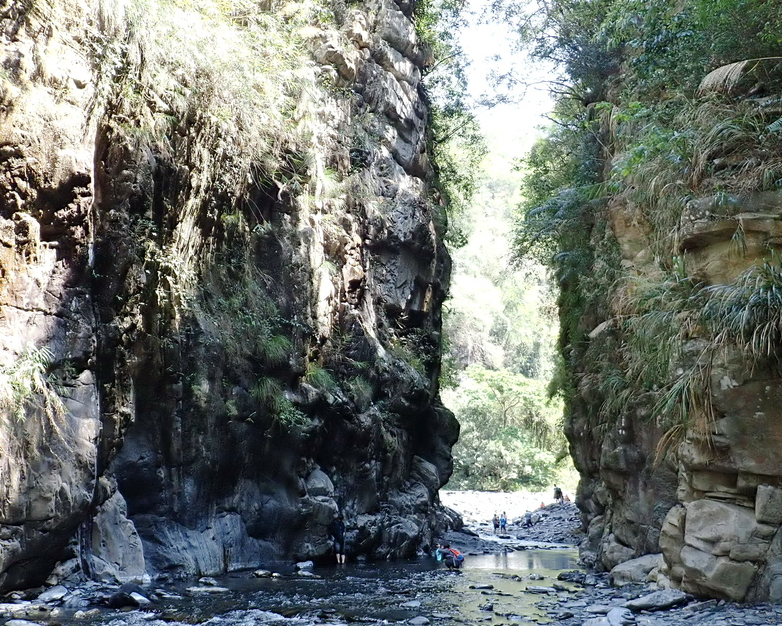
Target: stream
523 578
491 588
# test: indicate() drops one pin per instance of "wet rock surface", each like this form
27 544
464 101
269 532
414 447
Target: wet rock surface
508 581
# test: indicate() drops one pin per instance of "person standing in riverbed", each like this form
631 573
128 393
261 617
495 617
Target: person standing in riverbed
503 523
557 494
495 521
337 534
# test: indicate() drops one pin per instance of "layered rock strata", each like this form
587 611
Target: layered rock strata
230 343
705 494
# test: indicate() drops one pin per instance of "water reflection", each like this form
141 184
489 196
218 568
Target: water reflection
491 589
526 560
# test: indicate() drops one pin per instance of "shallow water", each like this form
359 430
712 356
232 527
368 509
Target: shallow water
372 593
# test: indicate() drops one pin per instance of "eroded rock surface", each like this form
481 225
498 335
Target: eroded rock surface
239 349
712 508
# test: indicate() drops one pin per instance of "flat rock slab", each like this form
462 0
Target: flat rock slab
620 617
658 601
53 594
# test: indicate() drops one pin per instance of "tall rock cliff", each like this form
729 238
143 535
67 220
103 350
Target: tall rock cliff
674 338
221 279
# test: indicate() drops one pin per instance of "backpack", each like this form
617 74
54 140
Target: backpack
457 556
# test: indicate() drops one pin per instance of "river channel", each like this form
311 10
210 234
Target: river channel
490 589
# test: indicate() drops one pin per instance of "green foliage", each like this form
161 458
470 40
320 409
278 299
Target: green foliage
320 378
360 391
511 435
245 319
270 393
512 324
26 384
748 312
455 140
677 43
643 332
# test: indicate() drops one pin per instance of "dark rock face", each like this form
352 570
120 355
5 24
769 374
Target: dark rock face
239 350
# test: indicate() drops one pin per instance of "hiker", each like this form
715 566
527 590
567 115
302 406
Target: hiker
528 520
557 494
452 558
495 521
337 534
503 523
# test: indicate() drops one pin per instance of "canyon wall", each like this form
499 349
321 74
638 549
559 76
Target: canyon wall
686 464
221 280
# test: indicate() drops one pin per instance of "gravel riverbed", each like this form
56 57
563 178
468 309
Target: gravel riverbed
578 597
523 577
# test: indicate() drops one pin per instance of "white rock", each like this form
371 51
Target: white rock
142 600
53 594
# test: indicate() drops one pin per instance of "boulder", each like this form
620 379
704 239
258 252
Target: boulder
658 601
613 552
319 484
768 505
718 527
635 570
720 575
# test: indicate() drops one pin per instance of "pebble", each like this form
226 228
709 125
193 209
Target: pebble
412 604
536 589
420 620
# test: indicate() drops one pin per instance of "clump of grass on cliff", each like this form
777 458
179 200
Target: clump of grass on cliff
630 93
220 90
25 384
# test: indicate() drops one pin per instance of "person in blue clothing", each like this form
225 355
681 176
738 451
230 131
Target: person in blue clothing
503 522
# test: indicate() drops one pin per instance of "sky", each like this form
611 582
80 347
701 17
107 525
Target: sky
512 124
